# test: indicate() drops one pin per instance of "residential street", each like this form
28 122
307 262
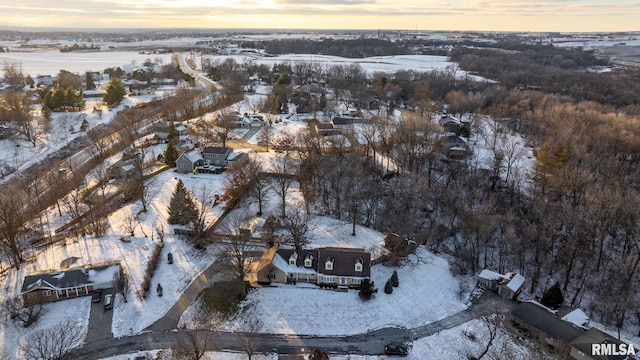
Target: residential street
370 343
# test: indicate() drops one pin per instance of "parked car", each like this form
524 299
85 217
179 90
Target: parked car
97 296
396 349
108 301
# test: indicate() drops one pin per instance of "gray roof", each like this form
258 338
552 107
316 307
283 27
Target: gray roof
70 278
344 260
216 150
595 336
546 322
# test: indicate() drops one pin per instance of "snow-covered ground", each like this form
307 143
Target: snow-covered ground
427 292
51 62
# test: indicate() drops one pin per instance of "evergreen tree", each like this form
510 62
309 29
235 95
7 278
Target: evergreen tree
170 155
553 298
182 208
388 288
172 132
395 282
89 81
115 92
367 289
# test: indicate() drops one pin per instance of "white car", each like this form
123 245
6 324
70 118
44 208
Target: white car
108 301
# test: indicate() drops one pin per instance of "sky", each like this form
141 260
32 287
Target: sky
482 15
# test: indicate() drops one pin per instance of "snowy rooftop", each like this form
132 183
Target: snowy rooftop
516 282
70 278
490 275
574 316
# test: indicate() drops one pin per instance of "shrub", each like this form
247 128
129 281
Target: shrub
367 289
388 288
394 279
151 268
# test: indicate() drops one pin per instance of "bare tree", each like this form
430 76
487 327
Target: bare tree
247 336
200 224
284 172
259 184
27 315
222 130
54 343
129 223
296 225
265 136
13 73
237 251
12 224
16 107
196 336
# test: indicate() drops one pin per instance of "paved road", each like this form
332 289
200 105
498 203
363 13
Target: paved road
170 320
488 303
370 343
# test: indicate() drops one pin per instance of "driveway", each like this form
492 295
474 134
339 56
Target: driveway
99 320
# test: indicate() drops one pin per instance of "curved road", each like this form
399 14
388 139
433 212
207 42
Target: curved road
370 343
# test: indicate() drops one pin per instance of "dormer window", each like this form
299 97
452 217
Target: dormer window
293 258
328 265
359 265
308 261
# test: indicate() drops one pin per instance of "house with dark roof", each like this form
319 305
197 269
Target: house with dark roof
343 124
564 330
544 321
161 130
71 283
215 155
340 266
582 347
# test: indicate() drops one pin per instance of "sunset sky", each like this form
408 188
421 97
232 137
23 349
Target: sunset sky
492 15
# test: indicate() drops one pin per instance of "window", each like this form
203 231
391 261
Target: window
271 276
328 279
356 281
292 261
46 293
307 262
328 265
358 267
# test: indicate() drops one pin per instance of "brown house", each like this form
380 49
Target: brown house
59 285
340 266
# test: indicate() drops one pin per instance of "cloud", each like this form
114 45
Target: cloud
327 2
552 15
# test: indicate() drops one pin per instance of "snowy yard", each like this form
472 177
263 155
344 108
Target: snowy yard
427 292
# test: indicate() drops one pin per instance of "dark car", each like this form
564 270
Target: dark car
396 349
97 296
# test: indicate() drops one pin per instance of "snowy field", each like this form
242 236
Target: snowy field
51 62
